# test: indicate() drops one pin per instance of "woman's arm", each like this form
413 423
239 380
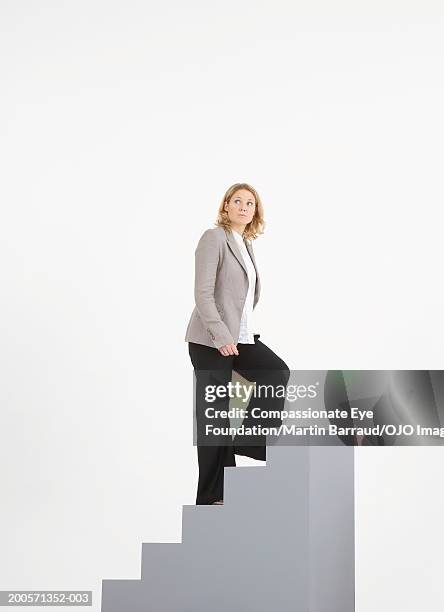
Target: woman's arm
206 262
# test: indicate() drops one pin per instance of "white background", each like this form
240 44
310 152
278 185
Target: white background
122 125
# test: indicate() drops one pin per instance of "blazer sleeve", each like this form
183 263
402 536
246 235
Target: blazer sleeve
206 263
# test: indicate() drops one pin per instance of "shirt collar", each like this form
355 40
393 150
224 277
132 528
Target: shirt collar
238 237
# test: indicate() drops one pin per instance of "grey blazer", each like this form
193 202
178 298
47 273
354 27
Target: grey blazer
220 289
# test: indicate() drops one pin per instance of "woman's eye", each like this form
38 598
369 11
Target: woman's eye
248 203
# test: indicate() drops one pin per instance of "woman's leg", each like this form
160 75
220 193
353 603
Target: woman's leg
258 363
211 368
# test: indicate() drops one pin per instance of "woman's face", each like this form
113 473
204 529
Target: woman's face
241 207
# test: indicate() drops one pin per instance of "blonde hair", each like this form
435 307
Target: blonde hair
256 225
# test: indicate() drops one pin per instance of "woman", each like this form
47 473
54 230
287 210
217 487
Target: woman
220 335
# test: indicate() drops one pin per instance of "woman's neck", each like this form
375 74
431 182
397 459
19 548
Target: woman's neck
238 228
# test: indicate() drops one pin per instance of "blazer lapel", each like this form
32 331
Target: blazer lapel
250 250
258 282
235 249
233 246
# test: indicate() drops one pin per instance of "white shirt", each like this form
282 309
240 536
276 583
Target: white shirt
246 334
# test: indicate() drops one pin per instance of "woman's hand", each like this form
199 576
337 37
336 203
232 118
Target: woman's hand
228 349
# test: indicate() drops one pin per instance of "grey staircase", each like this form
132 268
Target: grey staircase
282 541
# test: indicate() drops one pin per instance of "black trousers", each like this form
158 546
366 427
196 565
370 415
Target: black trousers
256 363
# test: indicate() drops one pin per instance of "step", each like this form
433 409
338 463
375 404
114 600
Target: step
204 523
123 595
245 485
159 558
